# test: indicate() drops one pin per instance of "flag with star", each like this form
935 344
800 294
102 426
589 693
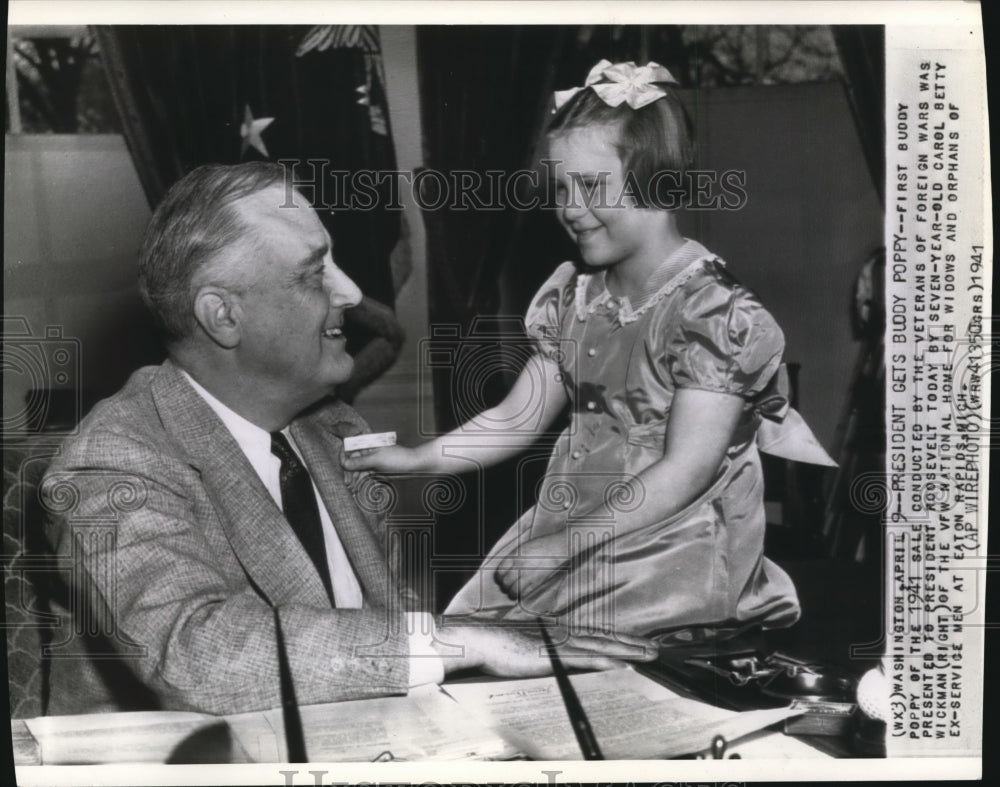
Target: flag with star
250 132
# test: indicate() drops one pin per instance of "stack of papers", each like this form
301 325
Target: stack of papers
632 717
425 725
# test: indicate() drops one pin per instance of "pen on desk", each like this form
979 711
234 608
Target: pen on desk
577 717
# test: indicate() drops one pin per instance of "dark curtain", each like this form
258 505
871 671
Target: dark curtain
183 92
861 435
862 54
484 95
484 91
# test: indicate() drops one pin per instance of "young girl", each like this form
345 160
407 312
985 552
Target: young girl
650 519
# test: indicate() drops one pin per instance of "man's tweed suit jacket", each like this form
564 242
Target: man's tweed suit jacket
176 551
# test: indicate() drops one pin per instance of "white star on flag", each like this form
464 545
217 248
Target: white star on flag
250 131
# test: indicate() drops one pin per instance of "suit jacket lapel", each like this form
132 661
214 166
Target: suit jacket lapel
320 445
258 532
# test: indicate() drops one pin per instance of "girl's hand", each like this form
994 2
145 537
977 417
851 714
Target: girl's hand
389 459
523 571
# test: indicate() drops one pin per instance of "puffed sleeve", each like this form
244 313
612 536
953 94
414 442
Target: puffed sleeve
726 342
544 316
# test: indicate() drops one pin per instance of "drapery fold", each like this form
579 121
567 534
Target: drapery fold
484 95
862 54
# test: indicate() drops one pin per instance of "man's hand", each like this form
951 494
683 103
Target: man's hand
510 652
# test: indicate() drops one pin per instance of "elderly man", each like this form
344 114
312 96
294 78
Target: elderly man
219 473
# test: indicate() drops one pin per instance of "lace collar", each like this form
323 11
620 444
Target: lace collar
677 269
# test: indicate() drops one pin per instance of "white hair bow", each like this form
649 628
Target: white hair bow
622 82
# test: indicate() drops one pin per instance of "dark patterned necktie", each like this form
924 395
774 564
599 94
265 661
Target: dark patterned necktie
298 501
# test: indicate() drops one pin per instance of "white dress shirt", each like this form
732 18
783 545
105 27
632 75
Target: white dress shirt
256 445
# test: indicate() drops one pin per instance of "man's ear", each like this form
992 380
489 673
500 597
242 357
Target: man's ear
218 312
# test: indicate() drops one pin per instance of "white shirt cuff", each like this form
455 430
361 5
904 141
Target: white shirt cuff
426 665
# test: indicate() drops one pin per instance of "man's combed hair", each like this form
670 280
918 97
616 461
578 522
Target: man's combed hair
193 223
654 143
